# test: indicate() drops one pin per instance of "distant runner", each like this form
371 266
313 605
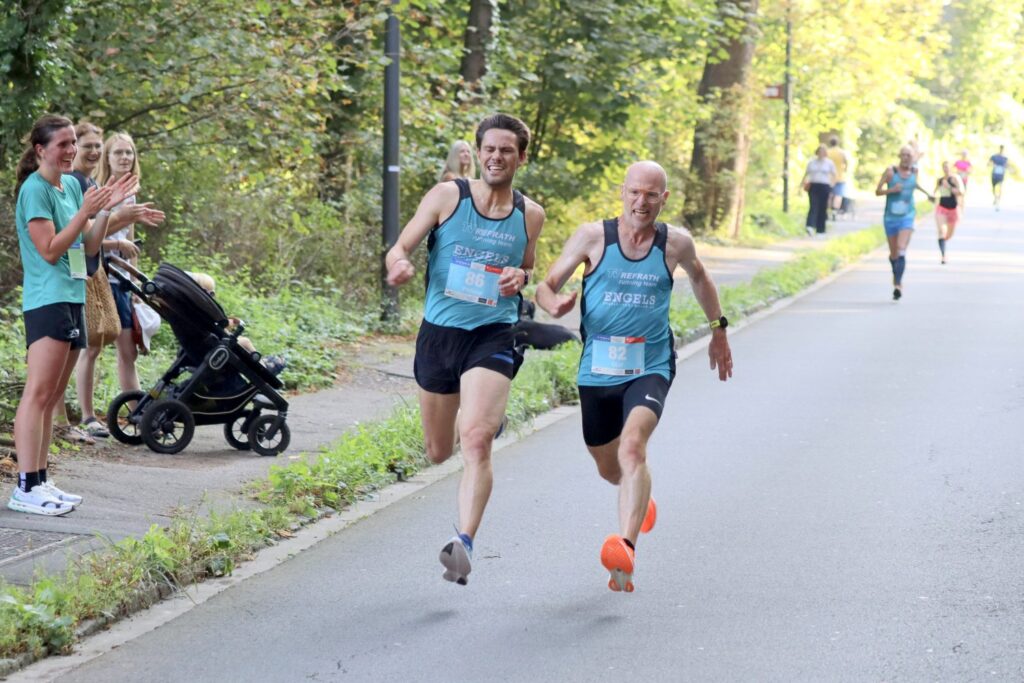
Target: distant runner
897 185
947 213
999 163
628 360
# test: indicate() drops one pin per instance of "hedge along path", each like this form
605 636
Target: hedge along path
48 616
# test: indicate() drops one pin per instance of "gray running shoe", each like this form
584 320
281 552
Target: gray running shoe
455 557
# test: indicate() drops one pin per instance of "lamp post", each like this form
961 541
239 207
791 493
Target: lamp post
789 101
389 199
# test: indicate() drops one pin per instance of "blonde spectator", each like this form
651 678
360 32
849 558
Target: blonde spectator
460 163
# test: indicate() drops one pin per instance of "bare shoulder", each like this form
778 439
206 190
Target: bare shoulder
534 210
679 241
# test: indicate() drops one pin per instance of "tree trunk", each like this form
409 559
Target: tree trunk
721 142
478 35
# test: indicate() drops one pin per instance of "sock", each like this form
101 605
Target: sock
629 543
898 268
28 480
42 476
942 246
892 264
467 541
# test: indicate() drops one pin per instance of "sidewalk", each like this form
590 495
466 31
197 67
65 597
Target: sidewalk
128 489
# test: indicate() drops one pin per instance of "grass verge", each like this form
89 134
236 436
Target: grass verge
133 573
689 322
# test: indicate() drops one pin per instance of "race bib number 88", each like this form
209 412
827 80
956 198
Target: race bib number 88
617 355
473 282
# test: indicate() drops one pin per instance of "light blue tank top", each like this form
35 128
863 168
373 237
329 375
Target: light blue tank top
467 253
625 314
901 204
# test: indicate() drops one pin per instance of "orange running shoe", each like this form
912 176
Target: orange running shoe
650 518
619 559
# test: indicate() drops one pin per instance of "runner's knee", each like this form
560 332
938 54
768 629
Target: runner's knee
632 451
476 441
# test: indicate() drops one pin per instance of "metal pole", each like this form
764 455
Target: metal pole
789 102
389 200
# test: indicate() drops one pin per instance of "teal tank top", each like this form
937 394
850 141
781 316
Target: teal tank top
901 204
624 312
467 253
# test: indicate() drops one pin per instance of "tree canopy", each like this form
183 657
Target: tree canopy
258 124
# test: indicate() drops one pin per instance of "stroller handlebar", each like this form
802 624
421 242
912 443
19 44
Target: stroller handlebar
123 265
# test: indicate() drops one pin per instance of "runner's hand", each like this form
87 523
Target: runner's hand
400 272
511 281
563 304
720 355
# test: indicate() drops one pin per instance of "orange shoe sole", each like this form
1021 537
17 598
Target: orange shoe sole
650 518
618 559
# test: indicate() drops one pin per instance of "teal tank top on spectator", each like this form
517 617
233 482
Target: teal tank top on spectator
45 284
624 312
467 254
900 205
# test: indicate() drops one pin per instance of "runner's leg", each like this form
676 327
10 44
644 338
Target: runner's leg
486 396
635 484
437 412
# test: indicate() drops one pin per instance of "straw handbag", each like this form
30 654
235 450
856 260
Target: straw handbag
101 319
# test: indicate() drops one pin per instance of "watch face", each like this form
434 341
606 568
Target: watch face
723 322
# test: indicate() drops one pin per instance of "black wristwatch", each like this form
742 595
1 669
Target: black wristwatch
722 323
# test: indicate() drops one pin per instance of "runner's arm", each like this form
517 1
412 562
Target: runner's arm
683 251
881 189
576 251
435 206
513 280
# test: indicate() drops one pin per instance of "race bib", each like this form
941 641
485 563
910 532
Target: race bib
473 282
76 259
998 171
900 207
617 355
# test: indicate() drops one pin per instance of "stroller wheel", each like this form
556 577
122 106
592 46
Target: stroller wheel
119 416
167 426
269 435
236 432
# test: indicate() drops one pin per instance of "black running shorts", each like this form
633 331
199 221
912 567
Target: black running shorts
605 409
61 321
443 354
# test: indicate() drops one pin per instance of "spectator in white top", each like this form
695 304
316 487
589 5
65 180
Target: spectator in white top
818 181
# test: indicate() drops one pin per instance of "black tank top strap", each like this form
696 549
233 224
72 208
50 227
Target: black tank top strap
611 232
463 184
519 201
661 236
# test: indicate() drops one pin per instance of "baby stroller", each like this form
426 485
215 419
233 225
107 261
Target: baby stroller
212 380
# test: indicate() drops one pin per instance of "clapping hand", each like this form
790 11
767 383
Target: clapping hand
125 186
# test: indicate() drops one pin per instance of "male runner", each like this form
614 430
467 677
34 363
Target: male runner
628 357
998 162
482 237
897 185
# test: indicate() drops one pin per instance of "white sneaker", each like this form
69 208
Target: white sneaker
455 557
71 499
38 501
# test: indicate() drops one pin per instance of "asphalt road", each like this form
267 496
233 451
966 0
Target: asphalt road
848 507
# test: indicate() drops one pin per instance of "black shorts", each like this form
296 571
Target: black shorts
123 302
443 354
62 321
605 409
